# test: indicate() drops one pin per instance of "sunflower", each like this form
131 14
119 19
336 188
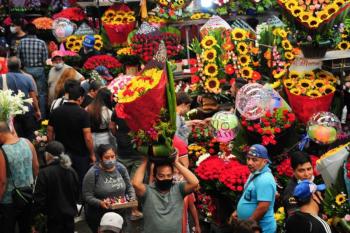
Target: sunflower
75 49
78 43
196 16
289 83
121 13
331 9
244 60
305 83
290 4
295 91
212 84
314 22
319 83
276 31
332 79
97 37
328 89
296 10
239 34
163 2
309 74
246 72
289 55
287 45
282 33
278 74
323 15
180 2
130 19
242 48
98 45
294 74
322 74
340 199
208 42
339 2
343 45
313 93
211 70
71 38
69 45
305 16
210 55
109 13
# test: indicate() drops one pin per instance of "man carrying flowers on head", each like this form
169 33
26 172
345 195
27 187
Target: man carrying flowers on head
258 198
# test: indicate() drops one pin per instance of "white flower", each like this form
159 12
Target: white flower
202 158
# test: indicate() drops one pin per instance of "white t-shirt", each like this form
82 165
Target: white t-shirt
54 76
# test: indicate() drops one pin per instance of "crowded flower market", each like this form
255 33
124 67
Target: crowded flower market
174 116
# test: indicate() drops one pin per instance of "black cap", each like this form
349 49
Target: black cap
55 148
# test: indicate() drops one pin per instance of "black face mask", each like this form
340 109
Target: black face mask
163 185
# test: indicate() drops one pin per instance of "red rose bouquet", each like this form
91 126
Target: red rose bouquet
73 13
270 125
102 60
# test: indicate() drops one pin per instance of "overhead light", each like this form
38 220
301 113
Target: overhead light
206 3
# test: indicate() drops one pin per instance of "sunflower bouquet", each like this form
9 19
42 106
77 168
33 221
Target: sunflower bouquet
74 43
312 83
344 44
279 53
200 15
337 207
315 23
118 17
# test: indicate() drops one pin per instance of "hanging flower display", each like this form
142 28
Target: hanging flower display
101 60
43 23
72 13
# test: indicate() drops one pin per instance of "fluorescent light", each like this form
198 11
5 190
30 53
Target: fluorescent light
206 3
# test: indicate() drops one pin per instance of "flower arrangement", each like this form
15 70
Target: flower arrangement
127 57
252 7
336 206
75 43
173 4
72 13
279 55
271 124
280 216
12 105
195 151
41 135
43 23
171 9
314 84
200 15
153 19
101 60
200 134
344 44
117 17
205 205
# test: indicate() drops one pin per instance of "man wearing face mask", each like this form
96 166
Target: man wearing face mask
302 170
258 198
58 66
88 48
17 34
57 190
306 220
163 200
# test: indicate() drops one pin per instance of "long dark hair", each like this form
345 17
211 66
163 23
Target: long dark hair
103 99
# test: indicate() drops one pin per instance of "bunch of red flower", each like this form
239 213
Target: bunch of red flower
347 167
73 13
234 175
271 124
146 45
285 167
102 60
211 168
205 204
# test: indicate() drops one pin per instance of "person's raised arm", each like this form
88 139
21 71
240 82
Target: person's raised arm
192 181
137 181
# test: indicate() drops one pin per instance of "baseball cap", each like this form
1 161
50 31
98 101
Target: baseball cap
55 148
89 41
111 221
259 151
306 188
56 53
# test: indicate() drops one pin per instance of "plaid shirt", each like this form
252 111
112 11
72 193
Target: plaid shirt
32 52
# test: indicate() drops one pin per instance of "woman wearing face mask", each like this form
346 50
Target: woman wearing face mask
107 179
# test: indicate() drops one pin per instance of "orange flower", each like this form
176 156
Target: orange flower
228 46
254 50
267 55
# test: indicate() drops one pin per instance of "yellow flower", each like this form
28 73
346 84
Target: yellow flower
45 122
242 48
109 13
332 79
289 83
314 22
343 45
246 72
305 83
287 45
276 31
282 33
296 10
290 4
323 74
69 45
319 83
328 89
305 16
281 210
98 45
211 70
121 13
340 199
124 51
163 2
76 49
208 42
331 9
196 16
295 91
294 74
339 2
78 43
180 2
212 85
309 74
289 55
330 221
278 217
313 93
323 15
278 74
209 55
97 37
239 34
71 38
244 60
130 19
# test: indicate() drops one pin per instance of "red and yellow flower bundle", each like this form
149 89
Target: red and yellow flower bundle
312 83
74 43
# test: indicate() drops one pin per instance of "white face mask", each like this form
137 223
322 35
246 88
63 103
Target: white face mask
59 66
13 29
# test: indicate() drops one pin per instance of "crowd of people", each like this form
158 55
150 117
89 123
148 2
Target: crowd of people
90 158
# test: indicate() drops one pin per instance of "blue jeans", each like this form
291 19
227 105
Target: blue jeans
39 76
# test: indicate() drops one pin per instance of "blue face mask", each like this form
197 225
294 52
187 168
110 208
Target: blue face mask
108 164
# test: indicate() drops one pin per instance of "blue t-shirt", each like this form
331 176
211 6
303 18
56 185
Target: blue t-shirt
262 188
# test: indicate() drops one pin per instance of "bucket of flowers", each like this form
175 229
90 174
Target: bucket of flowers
108 61
315 89
129 59
44 27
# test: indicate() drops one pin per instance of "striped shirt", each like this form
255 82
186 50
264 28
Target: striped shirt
32 52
